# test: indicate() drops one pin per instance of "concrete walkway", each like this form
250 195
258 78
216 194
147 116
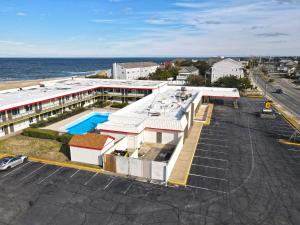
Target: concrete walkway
183 164
59 125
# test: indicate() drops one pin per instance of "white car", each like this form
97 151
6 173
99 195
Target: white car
12 161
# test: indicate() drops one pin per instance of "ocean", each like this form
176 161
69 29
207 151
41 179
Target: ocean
12 69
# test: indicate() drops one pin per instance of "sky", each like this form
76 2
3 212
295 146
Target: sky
149 28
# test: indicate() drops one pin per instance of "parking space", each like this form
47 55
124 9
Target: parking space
240 175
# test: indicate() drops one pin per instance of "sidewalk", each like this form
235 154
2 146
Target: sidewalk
183 164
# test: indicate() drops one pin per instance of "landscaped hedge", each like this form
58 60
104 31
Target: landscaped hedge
101 104
47 134
41 133
59 117
119 105
64 138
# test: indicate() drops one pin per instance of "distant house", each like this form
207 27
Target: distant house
90 147
225 68
185 72
133 71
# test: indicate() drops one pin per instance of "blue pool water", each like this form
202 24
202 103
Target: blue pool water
88 123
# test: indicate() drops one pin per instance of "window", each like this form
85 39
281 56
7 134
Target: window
30 120
28 108
15 111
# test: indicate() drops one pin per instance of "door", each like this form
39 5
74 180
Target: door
159 137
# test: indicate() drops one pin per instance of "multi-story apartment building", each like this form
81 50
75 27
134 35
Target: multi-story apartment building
225 68
133 71
21 107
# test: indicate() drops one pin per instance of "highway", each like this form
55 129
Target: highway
289 99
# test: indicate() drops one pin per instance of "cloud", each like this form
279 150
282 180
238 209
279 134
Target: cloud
10 43
21 14
157 21
102 21
272 34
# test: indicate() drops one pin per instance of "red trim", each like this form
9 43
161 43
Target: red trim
150 128
220 97
78 146
115 131
60 96
146 128
111 137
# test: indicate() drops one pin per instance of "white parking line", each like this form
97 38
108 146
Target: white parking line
28 175
74 173
294 150
58 169
207 189
127 189
213 139
214 178
109 183
221 146
204 150
16 169
201 157
86 183
212 167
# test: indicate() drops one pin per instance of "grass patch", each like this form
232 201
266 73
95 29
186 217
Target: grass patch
34 147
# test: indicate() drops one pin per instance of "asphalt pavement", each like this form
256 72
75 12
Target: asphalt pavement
290 98
240 175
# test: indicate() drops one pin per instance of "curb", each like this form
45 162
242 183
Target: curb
287 142
209 114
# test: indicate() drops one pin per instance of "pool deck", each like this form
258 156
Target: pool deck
57 126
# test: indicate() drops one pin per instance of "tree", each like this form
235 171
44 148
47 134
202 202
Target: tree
233 82
195 80
163 74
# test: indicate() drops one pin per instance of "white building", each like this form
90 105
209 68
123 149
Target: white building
90 147
225 68
133 71
185 72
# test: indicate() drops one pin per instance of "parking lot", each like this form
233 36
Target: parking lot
240 175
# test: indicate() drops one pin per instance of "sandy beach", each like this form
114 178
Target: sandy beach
17 84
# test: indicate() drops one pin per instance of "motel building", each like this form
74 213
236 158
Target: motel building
149 134
143 139
21 107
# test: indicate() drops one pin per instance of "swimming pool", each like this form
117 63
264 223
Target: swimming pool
87 123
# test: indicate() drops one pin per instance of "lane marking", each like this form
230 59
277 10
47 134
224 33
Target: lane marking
221 146
252 161
127 189
201 157
294 150
214 178
86 183
212 167
16 169
207 189
212 139
58 169
74 173
112 179
28 175
204 150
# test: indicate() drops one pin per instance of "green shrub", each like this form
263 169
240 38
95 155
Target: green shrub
40 133
119 105
64 138
59 117
101 103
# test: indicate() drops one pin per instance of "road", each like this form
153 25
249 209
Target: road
240 175
289 99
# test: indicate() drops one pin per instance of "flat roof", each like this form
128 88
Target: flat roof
132 65
14 98
162 110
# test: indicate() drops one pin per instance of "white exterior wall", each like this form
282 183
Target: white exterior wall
122 73
174 157
170 137
158 170
225 69
84 155
122 165
150 136
90 156
136 167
